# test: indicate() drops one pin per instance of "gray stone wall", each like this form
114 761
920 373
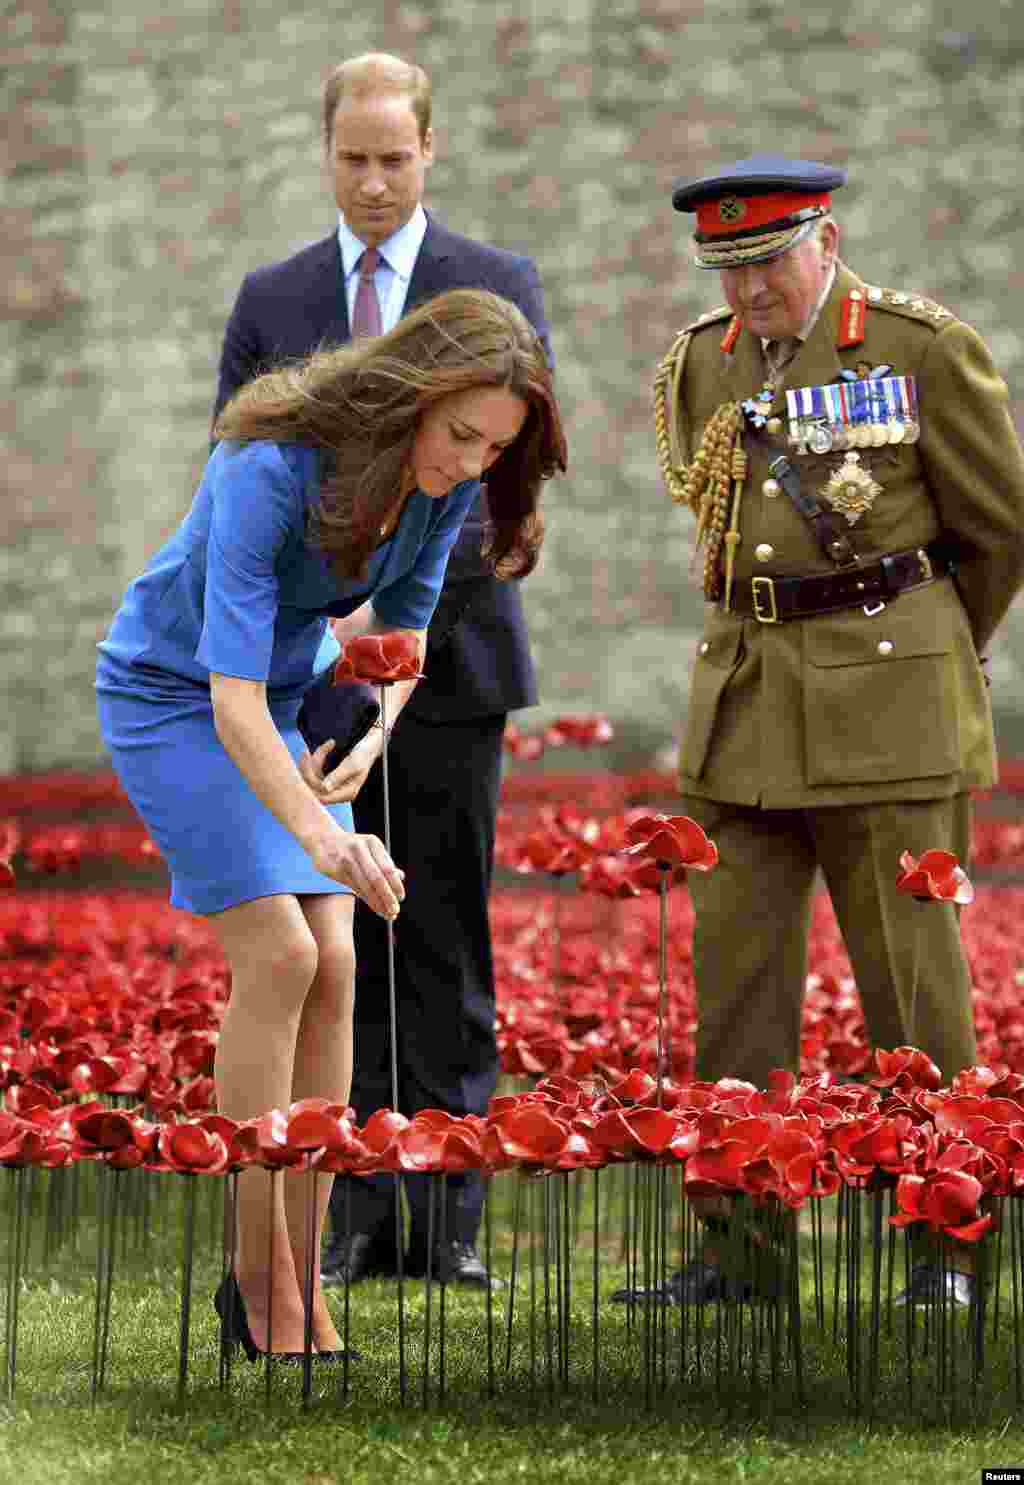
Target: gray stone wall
153 154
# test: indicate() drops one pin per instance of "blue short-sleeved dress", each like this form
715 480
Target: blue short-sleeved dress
239 590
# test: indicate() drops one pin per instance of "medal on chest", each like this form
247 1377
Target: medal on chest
850 489
856 412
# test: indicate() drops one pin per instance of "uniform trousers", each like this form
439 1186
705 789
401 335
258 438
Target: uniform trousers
443 786
753 915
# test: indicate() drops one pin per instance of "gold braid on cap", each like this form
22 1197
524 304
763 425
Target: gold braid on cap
712 485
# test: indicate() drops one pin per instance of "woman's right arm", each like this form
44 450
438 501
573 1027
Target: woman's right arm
249 737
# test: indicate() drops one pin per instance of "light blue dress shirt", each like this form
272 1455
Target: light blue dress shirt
398 259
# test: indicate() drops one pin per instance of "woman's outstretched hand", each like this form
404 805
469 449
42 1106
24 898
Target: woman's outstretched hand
362 863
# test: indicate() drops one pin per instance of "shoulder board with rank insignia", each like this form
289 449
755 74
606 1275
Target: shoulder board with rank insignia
710 317
851 321
914 306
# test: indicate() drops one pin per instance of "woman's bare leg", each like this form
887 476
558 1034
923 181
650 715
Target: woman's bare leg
323 1069
273 957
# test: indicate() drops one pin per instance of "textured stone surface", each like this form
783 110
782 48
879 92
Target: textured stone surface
152 155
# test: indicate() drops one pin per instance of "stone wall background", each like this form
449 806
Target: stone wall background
152 155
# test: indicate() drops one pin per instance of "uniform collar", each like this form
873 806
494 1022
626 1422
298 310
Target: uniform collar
817 360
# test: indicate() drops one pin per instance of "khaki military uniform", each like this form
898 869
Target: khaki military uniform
839 740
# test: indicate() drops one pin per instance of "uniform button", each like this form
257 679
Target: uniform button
763 552
771 488
774 426
885 646
704 648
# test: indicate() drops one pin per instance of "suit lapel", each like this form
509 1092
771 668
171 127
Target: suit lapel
326 298
432 272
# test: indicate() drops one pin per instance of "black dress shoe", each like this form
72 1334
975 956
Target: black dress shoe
454 1263
699 1283
359 1256
926 1281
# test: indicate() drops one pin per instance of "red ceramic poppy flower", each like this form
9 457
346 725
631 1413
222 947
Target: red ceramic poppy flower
935 877
608 877
190 1149
947 1200
581 732
527 746
549 851
905 1068
671 840
380 658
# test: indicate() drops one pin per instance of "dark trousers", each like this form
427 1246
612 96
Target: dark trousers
443 784
753 913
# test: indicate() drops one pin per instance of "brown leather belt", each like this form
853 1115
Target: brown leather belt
772 600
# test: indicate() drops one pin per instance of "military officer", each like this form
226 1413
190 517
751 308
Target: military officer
858 486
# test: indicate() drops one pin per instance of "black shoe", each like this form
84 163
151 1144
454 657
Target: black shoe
230 1306
699 1283
359 1256
454 1263
926 1281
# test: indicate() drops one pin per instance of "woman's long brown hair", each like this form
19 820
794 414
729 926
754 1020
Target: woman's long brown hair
362 404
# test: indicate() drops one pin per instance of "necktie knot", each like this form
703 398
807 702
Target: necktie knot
779 353
369 262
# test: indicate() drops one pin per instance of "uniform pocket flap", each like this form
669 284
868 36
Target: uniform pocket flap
854 638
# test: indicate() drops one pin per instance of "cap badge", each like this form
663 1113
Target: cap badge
731 209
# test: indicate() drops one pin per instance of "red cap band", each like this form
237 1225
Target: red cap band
726 216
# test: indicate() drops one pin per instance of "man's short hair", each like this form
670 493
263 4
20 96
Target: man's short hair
374 74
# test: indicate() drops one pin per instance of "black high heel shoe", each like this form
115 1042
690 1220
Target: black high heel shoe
236 1332
230 1306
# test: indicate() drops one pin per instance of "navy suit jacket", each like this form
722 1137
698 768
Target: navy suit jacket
478 659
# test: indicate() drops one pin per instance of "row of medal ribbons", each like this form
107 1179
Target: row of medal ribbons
853 415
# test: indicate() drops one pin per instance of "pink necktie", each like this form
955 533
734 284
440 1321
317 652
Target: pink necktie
366 310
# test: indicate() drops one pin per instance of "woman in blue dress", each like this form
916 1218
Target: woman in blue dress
336 482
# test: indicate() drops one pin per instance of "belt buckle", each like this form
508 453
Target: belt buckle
764 613
927 571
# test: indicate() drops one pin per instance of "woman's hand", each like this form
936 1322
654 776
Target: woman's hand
362 863
343 783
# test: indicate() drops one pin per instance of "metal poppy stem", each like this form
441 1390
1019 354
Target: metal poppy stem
307 1285
664 871
186 1282
393 1028
392 997
14 1251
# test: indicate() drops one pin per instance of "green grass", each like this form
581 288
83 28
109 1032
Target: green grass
534 1429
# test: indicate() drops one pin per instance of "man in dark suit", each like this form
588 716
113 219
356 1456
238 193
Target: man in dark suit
387 256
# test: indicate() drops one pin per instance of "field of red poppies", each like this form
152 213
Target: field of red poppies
110 1002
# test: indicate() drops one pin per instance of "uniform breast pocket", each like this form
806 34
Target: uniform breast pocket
880 696
718 657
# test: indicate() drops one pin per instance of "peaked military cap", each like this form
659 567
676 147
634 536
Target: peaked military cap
756 209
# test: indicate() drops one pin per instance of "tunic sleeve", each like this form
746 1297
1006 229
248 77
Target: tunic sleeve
257 503
409 602
975 470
